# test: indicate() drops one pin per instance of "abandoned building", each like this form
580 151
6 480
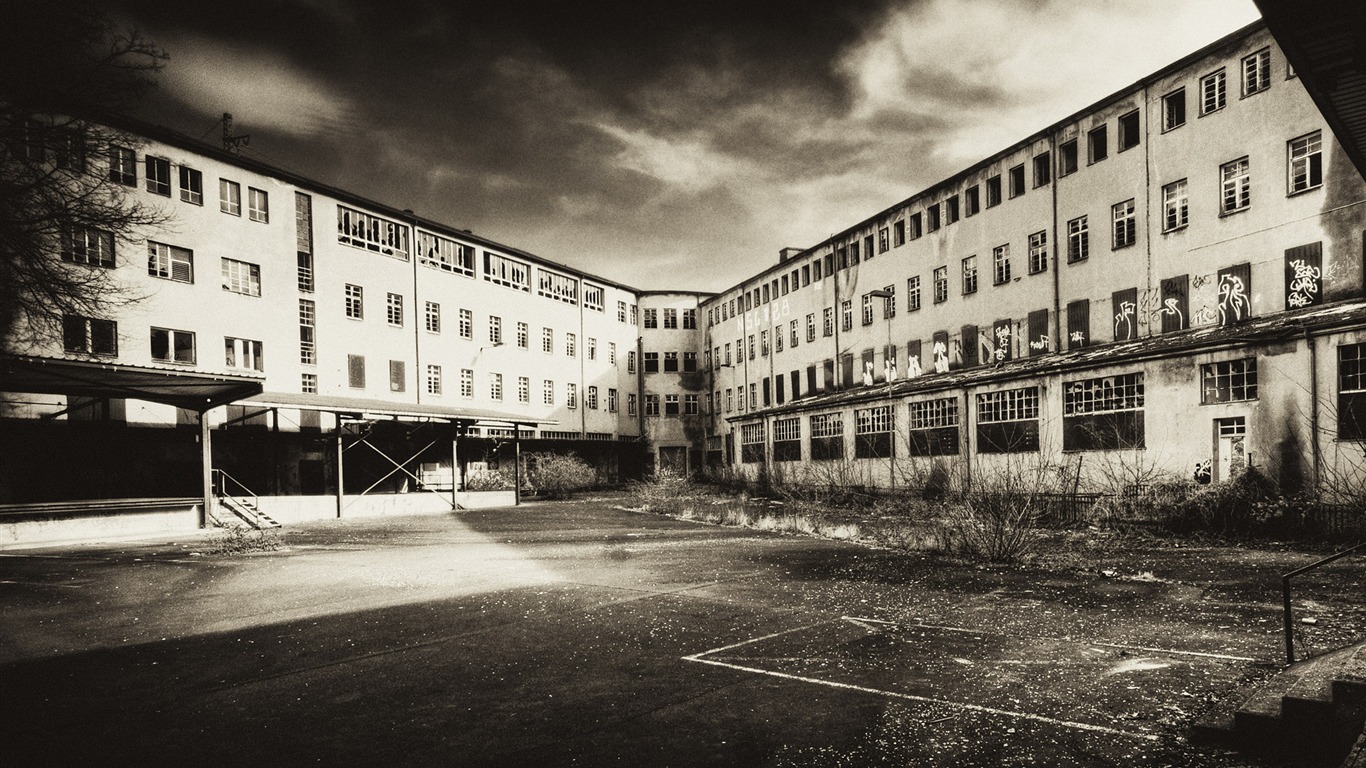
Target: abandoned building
1172 277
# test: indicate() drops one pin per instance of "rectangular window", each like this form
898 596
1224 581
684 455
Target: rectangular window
571 345
934 427
355 371
308 314
496 387
592 297
554 285
1304 275
690 358
590 398
1174 206
651 318
652 362
1038 252
305 272
794 332
631 361
690 319
867 307
671 406
827 437
671 315
495 330
1128 131
548 341
434 380
1067 157
240 277
917 226
752 443
591 348
1257 72
229 197
1008 421
258 205
445 254
303 223
671 358
123 166
355 302
1234 293
84 245
372 233
611 400
467 383
1125 230
394 309
631 407
171 346
191 186
398 376
787 439
969 275
847 315
1103 413
621 311
913 293
1174 109
1000 264
159 176
1305 164
1228 381
898 235
1017 180
1078 240
89 335
951 210
523 389
651 405
170 263
932 217
308 383
941 284
882 244
873 432
828 321
1212 92
1043 169
1352 392
1097 144
243 353
1235 184
972 200
433 317
510 273
1124 305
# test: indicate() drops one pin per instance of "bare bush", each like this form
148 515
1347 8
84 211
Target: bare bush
559 475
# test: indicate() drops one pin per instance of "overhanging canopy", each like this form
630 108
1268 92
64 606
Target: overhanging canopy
84 378
1326 42
362 406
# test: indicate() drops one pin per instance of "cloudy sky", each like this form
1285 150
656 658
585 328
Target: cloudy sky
675 144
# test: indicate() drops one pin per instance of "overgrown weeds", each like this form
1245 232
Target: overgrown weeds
238 539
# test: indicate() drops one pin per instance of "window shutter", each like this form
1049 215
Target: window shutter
1038 332
355 371
1304 276
1235 293
1078 323
1175 303
1124 305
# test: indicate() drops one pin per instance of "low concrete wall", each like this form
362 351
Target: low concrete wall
94 525
97 521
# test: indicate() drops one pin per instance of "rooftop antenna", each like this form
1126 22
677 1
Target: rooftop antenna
232 142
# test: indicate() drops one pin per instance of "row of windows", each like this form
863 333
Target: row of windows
688 405
1305 172
673 362
671 318
190 183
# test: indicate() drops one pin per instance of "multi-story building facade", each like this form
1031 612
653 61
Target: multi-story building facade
1174 273
405 334
1170 280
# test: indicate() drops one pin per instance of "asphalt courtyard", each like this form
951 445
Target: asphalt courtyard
582 634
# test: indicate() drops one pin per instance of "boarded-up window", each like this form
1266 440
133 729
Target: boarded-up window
939 353
847 371
1175 303
1078 323
915 364
867 374
1235 293
397 376
1002 340
812 386
1038 332
1304 276
829 382
355 371
1125 307
778 389
969 346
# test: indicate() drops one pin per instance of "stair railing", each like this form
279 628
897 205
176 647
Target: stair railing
1285 596
221 481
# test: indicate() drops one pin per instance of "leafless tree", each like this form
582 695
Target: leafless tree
65 73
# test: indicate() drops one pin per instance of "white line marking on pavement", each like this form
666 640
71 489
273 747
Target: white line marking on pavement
924 699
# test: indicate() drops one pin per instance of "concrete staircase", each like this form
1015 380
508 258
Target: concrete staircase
244 510
1309 714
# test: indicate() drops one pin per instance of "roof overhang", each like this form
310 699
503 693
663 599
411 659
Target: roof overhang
1325 40
86 378
368 409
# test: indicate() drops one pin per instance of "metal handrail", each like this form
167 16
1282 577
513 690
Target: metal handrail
1285 596
221 487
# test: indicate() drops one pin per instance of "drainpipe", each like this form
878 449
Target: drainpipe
1313 406
1057 249
418 312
